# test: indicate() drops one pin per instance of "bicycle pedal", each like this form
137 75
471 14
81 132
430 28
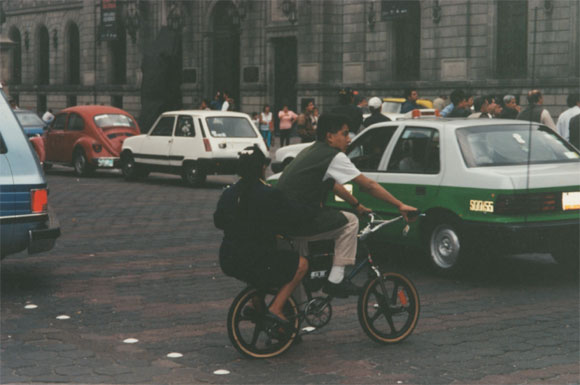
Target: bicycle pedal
308 329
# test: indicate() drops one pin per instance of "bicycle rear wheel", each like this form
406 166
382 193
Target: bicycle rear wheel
393 320
251 332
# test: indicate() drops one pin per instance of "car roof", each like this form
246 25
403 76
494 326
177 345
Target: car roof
95 109
206 113
454 123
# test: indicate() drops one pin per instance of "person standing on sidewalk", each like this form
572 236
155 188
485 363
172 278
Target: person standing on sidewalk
534 111
287 119
266 125
305 123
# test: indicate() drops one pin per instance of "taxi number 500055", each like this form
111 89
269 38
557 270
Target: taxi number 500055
483 206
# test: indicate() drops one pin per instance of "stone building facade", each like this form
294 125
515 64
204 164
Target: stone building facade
288 51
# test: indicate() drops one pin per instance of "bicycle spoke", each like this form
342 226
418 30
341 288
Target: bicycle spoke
255 335
395 292
390 322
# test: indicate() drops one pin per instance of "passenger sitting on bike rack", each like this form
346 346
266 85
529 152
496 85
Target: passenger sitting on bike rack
308 179
252 213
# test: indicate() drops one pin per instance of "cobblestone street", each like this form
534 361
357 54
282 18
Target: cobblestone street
139 260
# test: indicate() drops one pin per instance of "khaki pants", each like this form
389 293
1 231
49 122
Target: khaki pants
344 241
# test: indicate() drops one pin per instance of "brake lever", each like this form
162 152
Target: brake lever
407 227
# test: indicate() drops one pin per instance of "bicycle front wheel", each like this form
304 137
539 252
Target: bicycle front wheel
388 308
249 330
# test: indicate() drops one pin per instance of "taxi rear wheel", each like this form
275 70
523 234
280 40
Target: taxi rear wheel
568 257
446 248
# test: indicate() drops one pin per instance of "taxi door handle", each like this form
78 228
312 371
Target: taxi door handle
170 141
420 190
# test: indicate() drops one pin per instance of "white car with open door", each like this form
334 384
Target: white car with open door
192 144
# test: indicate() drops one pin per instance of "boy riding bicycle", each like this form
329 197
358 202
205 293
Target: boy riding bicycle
307 180
252 213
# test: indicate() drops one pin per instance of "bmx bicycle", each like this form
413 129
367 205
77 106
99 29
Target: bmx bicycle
388 305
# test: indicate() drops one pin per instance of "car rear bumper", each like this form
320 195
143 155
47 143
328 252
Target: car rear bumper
35 232
43 239
525 237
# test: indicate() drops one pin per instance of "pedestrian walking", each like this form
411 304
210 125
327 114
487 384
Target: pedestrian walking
510 107
306 124
565 117
226 103
216 103
411 96
266 125
287 119
375 105
534 111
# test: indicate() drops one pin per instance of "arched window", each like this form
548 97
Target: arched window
16 63
73 53
408 42
512 41
43 51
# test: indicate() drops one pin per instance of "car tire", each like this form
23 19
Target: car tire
81 164
568 257
192 175
446 248
131 170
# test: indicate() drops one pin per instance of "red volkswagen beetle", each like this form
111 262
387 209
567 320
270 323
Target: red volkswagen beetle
85 137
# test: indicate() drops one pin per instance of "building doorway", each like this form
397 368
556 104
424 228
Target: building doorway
226 50
285 73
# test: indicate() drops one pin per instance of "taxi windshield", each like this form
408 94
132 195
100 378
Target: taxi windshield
113 120
499 145
230 127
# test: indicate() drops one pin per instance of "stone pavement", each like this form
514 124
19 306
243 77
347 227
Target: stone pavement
139 260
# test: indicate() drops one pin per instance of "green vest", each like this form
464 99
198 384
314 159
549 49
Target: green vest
302 182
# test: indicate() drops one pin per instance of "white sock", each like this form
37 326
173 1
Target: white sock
336 274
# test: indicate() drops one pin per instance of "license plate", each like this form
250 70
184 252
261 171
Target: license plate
105 162
571 200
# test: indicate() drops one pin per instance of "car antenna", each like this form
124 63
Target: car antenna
527 199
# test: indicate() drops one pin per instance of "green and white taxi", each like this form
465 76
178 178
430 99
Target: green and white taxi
505 185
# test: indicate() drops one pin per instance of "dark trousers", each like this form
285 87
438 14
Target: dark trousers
284 137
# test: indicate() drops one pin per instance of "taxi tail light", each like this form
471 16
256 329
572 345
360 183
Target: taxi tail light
39 200
527 203
207 144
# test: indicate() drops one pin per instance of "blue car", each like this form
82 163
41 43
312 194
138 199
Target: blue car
30 122
25 219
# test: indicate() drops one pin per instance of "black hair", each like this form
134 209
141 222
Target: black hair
457 96
408 92
479 101
250 164
330 123
345 96
572 100
264 108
